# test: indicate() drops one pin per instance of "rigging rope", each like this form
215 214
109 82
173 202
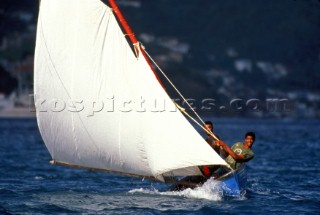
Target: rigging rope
180 108
201 126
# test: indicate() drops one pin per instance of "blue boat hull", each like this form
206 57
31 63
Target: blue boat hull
234 183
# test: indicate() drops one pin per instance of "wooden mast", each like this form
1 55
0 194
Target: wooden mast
131 36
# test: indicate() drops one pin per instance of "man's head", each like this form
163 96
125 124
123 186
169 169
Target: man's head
249 139
209 126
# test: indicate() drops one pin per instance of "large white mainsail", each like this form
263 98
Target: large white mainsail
94 98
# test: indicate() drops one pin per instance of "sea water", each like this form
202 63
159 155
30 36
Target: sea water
283 178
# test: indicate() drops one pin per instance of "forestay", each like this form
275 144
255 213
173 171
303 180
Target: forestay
99 106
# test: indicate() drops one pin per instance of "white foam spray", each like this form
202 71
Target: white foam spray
210 190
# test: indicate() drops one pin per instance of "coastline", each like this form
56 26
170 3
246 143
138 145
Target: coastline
17 112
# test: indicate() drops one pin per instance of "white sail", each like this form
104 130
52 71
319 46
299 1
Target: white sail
95 99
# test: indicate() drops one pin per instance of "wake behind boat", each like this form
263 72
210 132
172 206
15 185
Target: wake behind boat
95 98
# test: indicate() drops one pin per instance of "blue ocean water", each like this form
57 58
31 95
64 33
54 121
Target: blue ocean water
283 178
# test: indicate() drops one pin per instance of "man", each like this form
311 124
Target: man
208 170
210 140
240 152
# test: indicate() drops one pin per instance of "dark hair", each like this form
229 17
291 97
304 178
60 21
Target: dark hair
251 134
209 123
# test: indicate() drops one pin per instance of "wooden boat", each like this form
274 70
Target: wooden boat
96 98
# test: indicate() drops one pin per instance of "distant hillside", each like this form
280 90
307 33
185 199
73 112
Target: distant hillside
221 50
246 49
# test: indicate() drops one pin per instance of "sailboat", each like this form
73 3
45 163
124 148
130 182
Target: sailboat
99 103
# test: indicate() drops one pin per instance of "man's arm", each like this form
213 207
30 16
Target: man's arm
228 151
223 152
